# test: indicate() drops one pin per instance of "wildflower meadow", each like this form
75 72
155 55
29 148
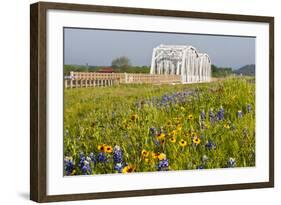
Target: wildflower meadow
147 128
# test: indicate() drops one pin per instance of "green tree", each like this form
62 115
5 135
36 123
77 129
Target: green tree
220 71
121 62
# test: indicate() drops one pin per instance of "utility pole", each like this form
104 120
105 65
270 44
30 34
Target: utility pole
87 67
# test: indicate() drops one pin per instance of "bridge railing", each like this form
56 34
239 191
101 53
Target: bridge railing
91 79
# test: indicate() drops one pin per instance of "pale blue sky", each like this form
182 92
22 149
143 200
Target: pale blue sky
100 47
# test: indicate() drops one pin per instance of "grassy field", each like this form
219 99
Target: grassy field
140 128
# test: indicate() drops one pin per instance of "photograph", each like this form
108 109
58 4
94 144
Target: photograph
141 101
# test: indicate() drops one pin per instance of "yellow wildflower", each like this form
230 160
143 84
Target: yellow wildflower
226 126
173 139
161 136
144 153
108 149
196 140
155 155
101 147
182 143
161 156
134 117
128 169
173 133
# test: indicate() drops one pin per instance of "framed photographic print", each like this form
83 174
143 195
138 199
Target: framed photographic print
133 102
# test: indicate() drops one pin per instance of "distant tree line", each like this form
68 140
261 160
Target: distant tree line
119 65
82 68
79 68
221 71
123 65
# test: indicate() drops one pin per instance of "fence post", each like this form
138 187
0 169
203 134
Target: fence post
126 77
71 74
